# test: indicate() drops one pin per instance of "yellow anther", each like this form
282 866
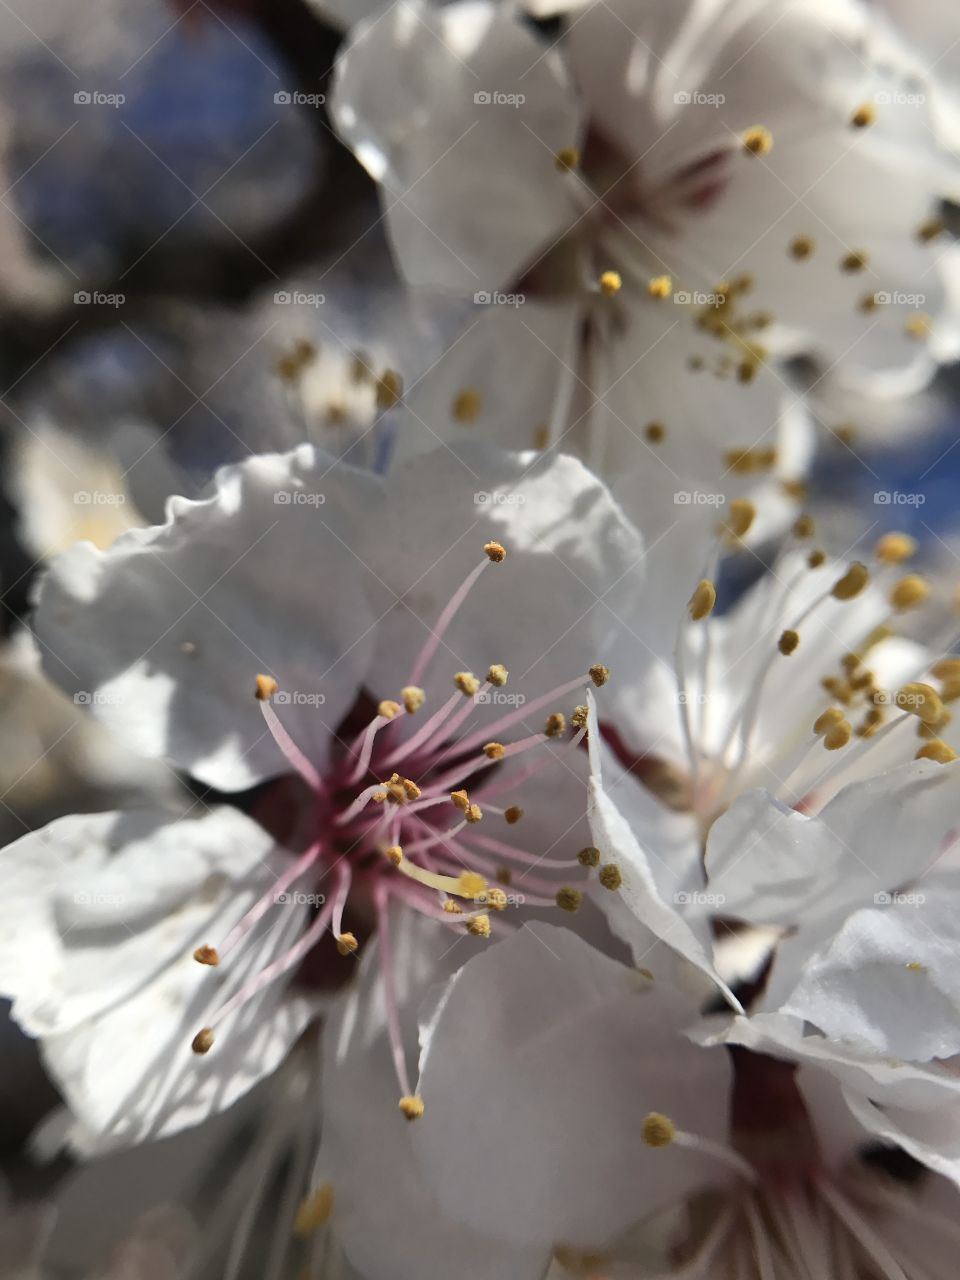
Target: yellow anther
740 516
610 283
894 548
864 116
803 526
909 592
855 261
743 462
599 674
658 1130
921 700
467 405
788 642
494 751
589 857
541 436
473 813
347 944
846 433
203 1041
556 725
467 683
827 720
314 1212
389 389
266 688
411 790
494 898
495 551
655 432
660 287
919 326
498 675
412 1106
388 709
394 854
869 302
207 955
946 669
479 925
936 750
610 876
816 558
852 582
379 797
569 899
702 601
513 814
802 247
413 698
452 908
460 799
931 230
580 717
567 158
838 736
758 141
916 967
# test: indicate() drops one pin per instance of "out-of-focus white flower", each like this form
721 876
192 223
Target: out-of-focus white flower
364 598
650 212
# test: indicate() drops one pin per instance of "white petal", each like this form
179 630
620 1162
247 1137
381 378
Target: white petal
543 1059
163 634
471 185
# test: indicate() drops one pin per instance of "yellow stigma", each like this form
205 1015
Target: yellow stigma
203 1041
855 261
389 389
852 582
658 1130
788 642
864 116
569 899
660 287
388 709
494 751
556 725
207 955
909 592
921 700
467 405
498 675
266 688
701 603
513 814
599 674
413 698
467 683
314 1212
347 944
758 141
589 857
802 248
470 884
412 1106
610 283
479 926
894 548
567 158
610 876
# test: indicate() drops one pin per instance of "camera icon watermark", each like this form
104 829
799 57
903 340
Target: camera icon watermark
685 298
696 98
298 498
697 898
495 98
500 698
297 298
897 298
295 898
96 298
97 98
698 498
98 698
899 899
497 498
298 698
897 98
898 498
294 98
98 498
496 298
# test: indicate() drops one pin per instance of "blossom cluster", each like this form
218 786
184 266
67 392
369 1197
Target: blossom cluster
519 835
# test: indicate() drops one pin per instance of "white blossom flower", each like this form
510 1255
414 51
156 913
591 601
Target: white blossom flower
580 1113
355 610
